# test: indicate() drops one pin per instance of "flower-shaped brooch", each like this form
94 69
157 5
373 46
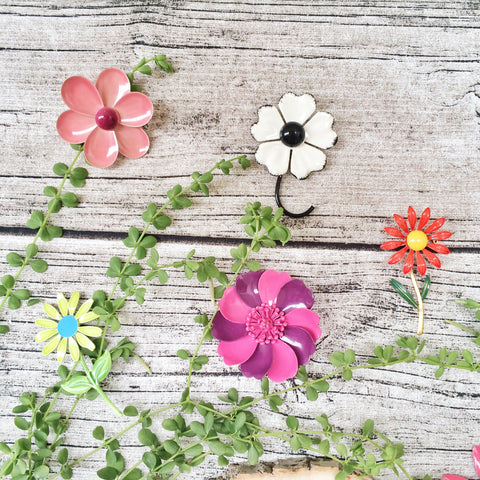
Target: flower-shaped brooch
415 241
476 464
293 137
265 324
107 117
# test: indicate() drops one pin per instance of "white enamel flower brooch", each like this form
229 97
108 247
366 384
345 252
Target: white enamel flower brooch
293 137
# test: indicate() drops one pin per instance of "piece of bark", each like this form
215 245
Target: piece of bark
293 468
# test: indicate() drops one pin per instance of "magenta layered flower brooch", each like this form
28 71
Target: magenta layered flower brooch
265 324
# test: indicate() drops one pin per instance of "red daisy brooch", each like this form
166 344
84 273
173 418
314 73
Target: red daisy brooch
419 242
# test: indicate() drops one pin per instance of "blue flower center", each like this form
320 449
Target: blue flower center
67 326
292 134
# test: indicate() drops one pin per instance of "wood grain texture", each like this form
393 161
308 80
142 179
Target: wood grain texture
402 80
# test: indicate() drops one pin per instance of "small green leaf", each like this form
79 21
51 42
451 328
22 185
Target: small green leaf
21 423
135 474
41 471
60 169
426 287
13 303
31 250
403 292
265 386
98 433
4 329
162 222
22 294
183 354
107 473
69 199
14 259
36 220
62 456
130 411
292 422
145 69
39 266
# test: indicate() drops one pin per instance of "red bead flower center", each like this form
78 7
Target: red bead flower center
266 323
106 118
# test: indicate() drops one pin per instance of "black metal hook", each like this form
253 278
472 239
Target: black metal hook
285 211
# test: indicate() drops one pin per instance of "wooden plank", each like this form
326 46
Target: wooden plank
404 99
357 310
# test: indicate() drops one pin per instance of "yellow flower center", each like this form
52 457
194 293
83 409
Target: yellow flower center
417 240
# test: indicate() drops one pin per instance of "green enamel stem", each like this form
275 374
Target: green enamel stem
44 223
98 389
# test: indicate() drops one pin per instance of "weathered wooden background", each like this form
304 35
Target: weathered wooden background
402 80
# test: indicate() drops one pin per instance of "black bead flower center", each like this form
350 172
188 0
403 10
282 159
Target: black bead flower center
292 134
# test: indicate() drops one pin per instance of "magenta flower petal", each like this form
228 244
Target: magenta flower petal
101 148
247 288
81 96
270 284
135 109
476 459
233 307
284 363
259 363
301 342
112 85
132 142
237 351
222 329
74 127
306 319
294 294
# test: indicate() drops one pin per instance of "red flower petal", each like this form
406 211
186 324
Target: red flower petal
424 218
432 258
437 247
412 217
392 245
407 266
394 232
435 225
421 265
400 221
396 257
440 235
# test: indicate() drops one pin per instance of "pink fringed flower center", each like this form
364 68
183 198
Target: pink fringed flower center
106 118
266 323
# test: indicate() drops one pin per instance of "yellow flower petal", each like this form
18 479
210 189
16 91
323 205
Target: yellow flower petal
73 302
62 304
46 323
84 341
90 331
88 317
73 348
84 308
62 350
52 312
45 335
50 347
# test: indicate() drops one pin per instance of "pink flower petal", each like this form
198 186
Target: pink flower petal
270 284
81 96
112 84
476 458
74 127
284 363
132 142
453 477
135 109
238 351
233 308
101 148
304 318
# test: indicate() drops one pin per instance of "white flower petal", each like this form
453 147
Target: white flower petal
318 130
275 156
297 108
269 124
306 159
